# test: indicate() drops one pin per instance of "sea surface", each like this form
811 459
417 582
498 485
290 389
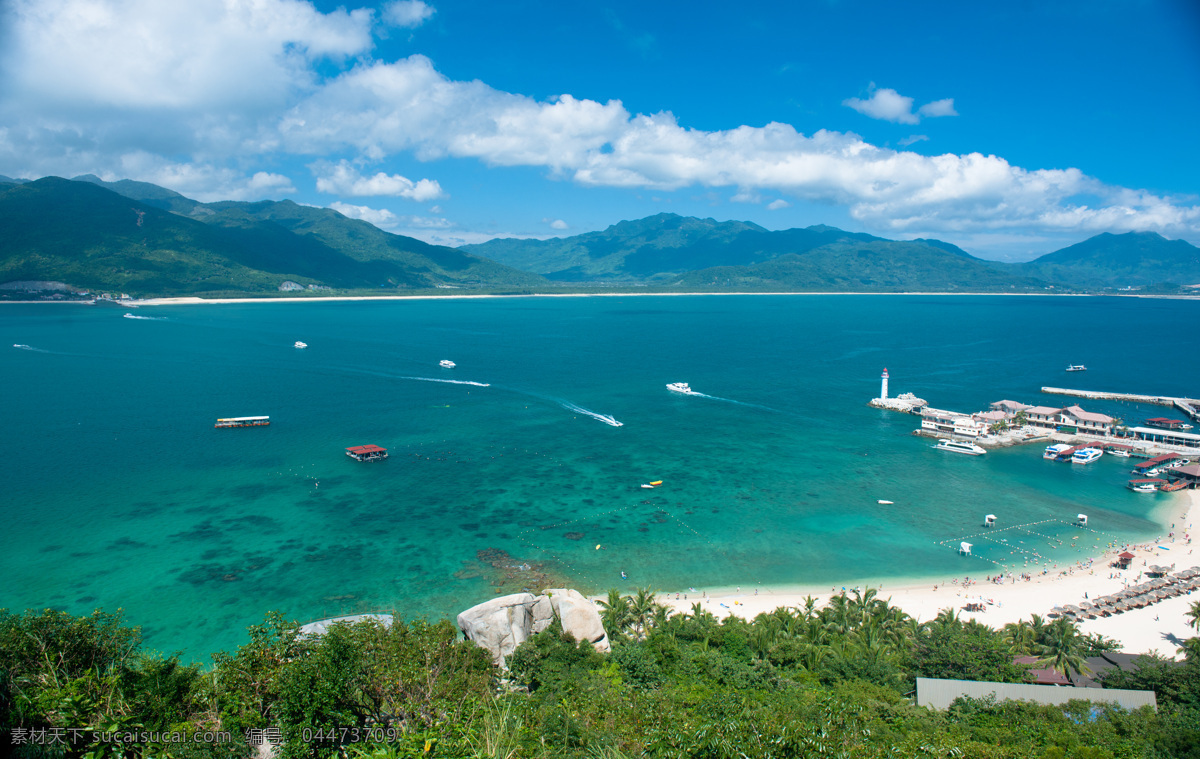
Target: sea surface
118 493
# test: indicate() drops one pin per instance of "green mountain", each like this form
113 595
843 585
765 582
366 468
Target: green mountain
84 234
655 249
1133 259
864 266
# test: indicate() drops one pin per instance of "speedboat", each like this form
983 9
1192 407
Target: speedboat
885 503
1076 368
681 387
446 364
301 345
1086 455
1142 487
960 446
652 485
1118 452
1056 450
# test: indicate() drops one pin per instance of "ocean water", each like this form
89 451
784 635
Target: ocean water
119 493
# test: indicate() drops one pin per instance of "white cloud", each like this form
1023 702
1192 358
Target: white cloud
555 223
886 104
889 105
746 196
202 182
343 179
913 139
407 14
380 217
775 205
944 107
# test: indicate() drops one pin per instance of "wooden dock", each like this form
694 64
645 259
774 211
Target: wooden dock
1189 406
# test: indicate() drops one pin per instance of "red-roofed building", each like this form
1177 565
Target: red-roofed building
367 453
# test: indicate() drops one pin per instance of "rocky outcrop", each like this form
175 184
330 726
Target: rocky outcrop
502 624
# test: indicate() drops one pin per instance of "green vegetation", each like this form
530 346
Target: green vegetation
835 681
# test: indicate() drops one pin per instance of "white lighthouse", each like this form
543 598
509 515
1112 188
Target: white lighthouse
883 390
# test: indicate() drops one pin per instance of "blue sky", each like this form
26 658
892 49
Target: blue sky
1009 128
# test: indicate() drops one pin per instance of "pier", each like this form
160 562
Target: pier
1189 406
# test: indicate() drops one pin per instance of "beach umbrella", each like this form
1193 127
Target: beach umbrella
1058 610
1085 604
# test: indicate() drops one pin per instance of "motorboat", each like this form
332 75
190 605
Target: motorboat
300 344
652 485
1119 452
446 364
1056 450
1142 487
1086 455
681 387
1076 368
885 503
960 446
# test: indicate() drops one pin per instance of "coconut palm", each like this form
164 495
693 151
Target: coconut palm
616 615
1194 612
641 609
1021 637
1062 648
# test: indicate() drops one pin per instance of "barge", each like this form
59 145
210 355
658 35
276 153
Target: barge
244 421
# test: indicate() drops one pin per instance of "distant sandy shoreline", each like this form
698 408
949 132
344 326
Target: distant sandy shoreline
194 300
1153 628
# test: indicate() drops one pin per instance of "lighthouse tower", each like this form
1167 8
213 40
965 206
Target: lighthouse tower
883 390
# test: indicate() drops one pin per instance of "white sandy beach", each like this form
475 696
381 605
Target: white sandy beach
1153 628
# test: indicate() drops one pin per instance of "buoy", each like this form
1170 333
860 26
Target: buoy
597 546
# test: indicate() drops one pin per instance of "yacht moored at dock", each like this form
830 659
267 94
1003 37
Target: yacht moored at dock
1054 451
1086 455
244 421
1150 485
367 453
960 446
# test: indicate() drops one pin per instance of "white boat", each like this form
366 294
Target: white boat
1086 455
1076 368
1143 487
301 345
681 387
885 503
446 364
1118 452
960 446
1054 451
1151 472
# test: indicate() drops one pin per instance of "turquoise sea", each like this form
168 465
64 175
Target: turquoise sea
119 493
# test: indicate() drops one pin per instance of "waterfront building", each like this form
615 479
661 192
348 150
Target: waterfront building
1086 421
1011 408
1166 437
1042 416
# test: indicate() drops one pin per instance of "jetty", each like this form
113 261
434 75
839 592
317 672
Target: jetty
1189 406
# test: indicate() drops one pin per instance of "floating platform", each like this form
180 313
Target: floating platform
367 453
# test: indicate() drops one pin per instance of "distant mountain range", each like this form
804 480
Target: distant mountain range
143 239
691 253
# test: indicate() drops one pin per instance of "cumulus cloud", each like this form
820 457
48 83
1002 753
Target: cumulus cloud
343 179
555 223
912 139
380 217
886 104
407 14
775 205
889 105
943 107
230 88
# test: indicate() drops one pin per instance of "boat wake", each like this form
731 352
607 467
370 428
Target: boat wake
146 318
22 346
448 381
729 400
606 418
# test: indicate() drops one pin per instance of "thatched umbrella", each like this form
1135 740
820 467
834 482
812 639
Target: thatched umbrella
1058 611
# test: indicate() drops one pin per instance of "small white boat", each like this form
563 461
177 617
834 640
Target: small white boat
1119 452
1076 368
446 364
1152 472
1056 450
885 503
1086 455
301 345
1143 487
960 446
681 387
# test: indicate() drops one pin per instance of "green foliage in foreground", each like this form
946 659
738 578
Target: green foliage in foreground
835 681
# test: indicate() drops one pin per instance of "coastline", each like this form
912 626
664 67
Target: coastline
1153 628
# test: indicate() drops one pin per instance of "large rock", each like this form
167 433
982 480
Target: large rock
499 625
579 617
502 624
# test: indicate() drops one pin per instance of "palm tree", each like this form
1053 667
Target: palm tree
641 609
1062 648
1194 613
1021 637
616 614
